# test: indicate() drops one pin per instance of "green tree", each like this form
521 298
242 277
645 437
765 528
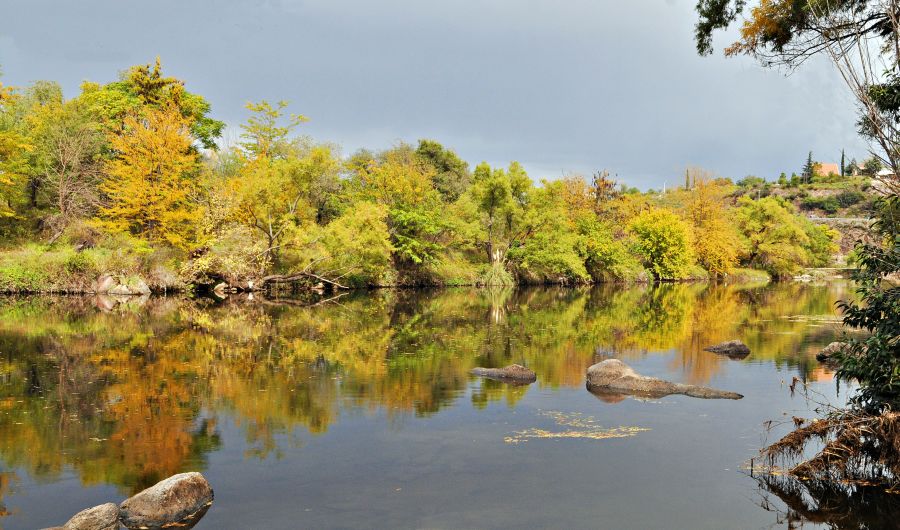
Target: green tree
546 245
355 248
452 176
280 184
145 87
809 169
778 240
874 361
501 196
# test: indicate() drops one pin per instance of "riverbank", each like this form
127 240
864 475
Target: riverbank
128 271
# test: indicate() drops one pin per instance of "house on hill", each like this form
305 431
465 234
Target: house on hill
828 168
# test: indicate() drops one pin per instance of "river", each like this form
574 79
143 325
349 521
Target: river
359 412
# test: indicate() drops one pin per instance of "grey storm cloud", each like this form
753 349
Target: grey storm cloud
560 85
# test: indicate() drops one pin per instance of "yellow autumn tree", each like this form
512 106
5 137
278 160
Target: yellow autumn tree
717 244
150 185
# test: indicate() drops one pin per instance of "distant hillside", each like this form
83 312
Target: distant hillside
843 203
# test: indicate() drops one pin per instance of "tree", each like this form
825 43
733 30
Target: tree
397 177
546 247
861 38
872 166
664 241
452 176
843 168
150 186
144 86
278 182
68 151
603 190
717 243
13 150
355 248
264 137
809 169
501 196
780 241
874 361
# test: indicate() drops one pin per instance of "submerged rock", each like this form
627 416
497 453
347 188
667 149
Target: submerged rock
612 376
733 348
103 517
180 500
513 373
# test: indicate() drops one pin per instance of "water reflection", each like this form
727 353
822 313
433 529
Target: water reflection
127 394
834 505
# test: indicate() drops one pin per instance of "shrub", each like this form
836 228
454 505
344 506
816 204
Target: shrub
827 204
495 275
849 197
664 241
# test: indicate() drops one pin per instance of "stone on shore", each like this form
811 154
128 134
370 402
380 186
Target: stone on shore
180 500
103 517
732 348
515 373
130 287
612 376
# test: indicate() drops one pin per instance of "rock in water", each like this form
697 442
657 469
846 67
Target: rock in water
827 353
181 499
612 376
732 348
515 373
103 517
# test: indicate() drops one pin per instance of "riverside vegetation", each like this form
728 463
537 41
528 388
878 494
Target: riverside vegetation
840 462
131 179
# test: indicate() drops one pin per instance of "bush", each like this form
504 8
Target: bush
849 197
495 275
607 257
233 255
829 204
665 243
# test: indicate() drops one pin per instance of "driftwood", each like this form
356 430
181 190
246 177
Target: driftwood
287 278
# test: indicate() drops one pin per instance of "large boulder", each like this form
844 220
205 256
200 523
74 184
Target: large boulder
180 500
732 348
612 376
514 373
103 517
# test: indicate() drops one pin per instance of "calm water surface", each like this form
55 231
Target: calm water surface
360 413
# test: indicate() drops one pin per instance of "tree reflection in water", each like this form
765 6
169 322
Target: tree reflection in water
129 394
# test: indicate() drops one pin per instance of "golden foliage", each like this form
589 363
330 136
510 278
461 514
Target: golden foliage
764 25
150 185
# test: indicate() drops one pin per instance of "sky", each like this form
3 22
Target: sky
562 86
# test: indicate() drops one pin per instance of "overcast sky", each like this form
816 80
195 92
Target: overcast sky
560 85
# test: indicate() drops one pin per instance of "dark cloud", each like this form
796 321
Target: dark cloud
560 85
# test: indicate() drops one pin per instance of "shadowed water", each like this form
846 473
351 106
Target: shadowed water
360 412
